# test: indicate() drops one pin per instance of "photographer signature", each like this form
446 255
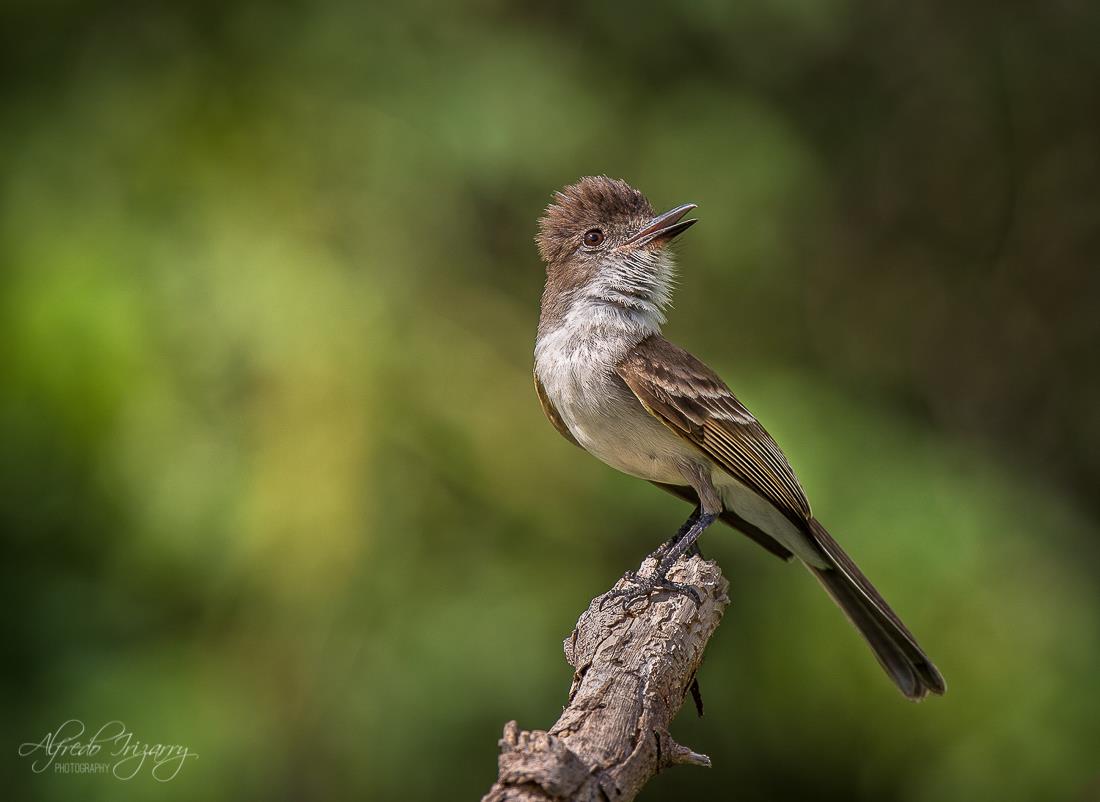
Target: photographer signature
113 744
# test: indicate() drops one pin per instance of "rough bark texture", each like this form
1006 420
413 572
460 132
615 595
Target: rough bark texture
632 671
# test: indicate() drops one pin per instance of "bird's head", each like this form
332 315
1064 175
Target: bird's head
601 239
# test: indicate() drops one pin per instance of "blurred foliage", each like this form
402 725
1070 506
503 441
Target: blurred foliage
276 485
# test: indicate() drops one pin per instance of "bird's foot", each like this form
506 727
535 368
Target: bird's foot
639 587
662 551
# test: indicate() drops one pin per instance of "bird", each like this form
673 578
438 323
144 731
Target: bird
610 383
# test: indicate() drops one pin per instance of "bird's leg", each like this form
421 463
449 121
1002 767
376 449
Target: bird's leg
643 586
661 550
682 544
658 553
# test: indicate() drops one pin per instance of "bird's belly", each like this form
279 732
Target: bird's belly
621 433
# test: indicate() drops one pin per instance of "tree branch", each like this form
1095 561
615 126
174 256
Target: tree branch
632 671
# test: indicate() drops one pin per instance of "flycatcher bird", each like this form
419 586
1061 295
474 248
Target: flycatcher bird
611 384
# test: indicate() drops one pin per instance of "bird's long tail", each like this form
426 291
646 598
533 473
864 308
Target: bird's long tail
894 646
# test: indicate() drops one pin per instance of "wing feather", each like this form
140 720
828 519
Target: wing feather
551 413
694 402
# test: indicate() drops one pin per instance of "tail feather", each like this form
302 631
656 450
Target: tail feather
894 646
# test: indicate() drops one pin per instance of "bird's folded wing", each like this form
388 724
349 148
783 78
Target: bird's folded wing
692 401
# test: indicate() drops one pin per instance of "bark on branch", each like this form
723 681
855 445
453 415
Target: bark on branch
632 671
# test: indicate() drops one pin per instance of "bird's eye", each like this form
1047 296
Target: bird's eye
593 237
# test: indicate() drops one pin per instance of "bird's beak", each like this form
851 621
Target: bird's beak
663 227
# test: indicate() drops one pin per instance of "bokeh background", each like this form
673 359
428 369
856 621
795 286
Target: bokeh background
275 482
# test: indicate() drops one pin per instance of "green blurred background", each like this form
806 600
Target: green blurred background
275 482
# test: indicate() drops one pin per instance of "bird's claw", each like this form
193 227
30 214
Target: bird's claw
642 587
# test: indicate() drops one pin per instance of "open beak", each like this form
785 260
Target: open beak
663 227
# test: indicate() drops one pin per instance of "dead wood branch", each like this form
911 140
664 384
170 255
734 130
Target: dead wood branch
632 671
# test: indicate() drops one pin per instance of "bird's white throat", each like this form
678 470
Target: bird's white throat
607 316
576 357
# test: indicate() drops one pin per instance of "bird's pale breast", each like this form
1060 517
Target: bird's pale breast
604 415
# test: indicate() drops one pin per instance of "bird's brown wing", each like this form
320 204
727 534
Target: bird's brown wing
551 413
692 401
